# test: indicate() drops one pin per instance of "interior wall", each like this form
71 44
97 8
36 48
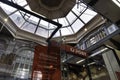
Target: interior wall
11 55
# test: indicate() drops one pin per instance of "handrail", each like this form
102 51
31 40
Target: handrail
98 36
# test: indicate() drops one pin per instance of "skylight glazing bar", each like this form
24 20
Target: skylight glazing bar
13 12
78 17
29 12
37 26
83 11
36 15
22 24
70 25
23 15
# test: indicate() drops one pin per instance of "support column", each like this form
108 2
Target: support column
111 64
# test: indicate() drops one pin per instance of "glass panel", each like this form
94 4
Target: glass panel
77 25
52 26
21 65
91 12
26 16
20 2
7 9
44 24
81 5
55 20
22 13
22 73
29 27
66 31
16 66
50 31
88 15
17 19
79 9
34 19
56 34
71 17
26 66
28 8
63 21
42 32
112 28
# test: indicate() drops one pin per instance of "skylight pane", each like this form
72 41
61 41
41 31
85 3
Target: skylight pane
77 25
86 18
29 27
44 24
34 19
63 21
50 32
87 15
7 9
42 32
26 16
66 31
17 19
23 13
28 8
55 20
71 17
52 26
57 34
90 12
82 5
70 23
20 2
78 9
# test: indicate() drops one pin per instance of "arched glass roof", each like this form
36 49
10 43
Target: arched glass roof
72 23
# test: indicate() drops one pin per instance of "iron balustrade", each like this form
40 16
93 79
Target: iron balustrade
97 36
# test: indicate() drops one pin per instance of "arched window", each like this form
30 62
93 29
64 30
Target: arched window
23 63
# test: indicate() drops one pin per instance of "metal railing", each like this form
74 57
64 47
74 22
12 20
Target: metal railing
97 36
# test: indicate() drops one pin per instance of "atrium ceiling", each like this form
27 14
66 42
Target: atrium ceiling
76 17
36 29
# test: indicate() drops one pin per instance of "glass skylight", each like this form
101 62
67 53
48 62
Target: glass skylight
17 19
72 23
77 25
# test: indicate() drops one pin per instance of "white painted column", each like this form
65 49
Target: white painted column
111 64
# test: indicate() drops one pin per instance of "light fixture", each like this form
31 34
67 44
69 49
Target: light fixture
80 61
85 29
117 2
91 63
83 65
5 19
100 51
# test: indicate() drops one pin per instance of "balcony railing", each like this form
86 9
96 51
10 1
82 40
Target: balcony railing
98 35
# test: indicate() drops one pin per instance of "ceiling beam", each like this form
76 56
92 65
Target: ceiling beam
34 14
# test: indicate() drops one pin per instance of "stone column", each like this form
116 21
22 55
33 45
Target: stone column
111 64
